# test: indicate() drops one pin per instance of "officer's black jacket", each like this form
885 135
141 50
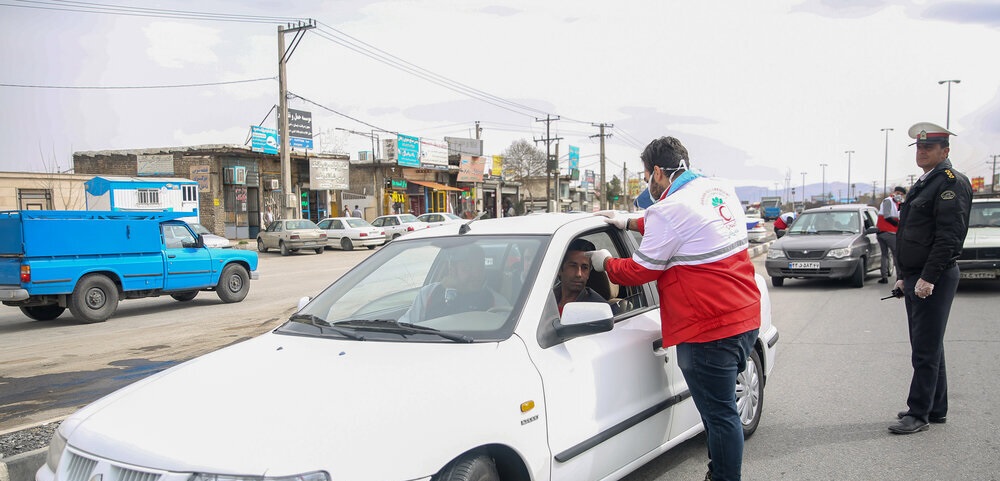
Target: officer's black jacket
932 223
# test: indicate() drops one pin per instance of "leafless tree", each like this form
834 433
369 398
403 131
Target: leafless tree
522 161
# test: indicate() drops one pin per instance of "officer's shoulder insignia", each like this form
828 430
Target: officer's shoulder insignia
947 195
950 175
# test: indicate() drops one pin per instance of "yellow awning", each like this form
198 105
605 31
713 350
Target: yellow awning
434 185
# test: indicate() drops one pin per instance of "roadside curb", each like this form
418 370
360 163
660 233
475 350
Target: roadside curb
22 467
754 251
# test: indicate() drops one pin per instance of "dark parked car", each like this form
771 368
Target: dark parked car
831 242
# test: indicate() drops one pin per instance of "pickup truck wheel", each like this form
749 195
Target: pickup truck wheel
94 299
284 248
233 284
260 246
184 296
43 313
470 468
346 244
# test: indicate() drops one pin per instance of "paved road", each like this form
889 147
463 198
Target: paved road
841 374
50 369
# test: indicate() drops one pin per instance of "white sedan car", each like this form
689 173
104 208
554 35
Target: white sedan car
396 225
439 218
490 382
350 232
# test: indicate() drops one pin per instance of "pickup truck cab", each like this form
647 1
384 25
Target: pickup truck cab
89 260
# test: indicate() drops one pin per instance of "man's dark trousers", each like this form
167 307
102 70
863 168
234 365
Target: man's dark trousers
928 318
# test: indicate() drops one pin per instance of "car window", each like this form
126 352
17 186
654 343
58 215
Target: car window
452 284
984 214
358 223
337 224
826 222
391 221
324 224
407 218
377 222
870 218
175 236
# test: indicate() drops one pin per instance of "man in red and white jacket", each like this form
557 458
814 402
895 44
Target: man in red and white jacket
888 222
694 245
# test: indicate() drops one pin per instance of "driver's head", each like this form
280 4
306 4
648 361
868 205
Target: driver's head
575 269
468 265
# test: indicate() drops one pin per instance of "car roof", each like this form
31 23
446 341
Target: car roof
546 223
838 208
985 199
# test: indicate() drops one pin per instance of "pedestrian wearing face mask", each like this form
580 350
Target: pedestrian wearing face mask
694 245
888 222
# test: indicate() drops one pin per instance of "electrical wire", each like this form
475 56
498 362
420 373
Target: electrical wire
340 113
108 9
134 87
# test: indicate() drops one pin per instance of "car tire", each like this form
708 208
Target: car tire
260 246
184 296
284 248
371 247
319 250
858 278
94 299
777 281
395 236
470 468
346 244
750 394
234 284
43 313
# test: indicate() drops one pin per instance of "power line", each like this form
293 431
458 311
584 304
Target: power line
106 9
133 87
340 113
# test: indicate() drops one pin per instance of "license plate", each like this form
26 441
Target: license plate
978 275
803 265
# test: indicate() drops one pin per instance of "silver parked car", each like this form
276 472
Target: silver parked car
439 218
211 240
350 232
832 242
291 235
399 224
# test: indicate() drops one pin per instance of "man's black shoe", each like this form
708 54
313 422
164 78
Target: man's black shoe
932 419
883 281
908 425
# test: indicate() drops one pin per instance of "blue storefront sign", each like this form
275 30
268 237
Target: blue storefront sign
407 150
263 140
300 142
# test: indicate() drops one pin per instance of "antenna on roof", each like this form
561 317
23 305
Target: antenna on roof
464 228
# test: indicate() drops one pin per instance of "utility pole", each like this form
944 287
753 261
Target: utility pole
479 130
604 180
849 152
993 182
911 176
824 182
290 210
624 186
947 120
555 189
803 189
549 167
885 172
873 191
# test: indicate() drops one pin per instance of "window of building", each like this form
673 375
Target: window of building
34 199
148 197
189 193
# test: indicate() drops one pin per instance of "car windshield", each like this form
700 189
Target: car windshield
355 222
985 214
428 290
300 224
827 222
406 218
199 229
449 215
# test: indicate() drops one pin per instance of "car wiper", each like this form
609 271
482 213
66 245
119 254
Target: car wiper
323 325
389 325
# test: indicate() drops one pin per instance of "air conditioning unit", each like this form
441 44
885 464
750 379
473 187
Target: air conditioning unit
274 184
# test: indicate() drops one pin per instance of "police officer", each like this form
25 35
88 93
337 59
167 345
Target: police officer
932 226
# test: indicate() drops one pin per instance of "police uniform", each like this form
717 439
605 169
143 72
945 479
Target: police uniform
933 223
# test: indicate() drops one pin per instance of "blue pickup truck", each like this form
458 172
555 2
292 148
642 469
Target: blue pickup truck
89 260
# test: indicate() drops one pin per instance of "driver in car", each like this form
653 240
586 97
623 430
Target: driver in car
463 289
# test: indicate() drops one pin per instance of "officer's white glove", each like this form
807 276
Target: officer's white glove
598 257
612 217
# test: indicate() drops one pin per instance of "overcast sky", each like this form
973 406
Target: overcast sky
755 90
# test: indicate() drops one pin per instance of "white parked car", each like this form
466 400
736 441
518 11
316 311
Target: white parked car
495 383
211 240
756 231
439 218
396 225
350 232
980 257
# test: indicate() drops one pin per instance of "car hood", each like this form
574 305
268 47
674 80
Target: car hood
212 240
813 242
282 404
982 237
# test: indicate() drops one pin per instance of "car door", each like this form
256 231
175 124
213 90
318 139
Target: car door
868 219
609 396
186 266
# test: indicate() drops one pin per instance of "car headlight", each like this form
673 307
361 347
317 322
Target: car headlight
313 476
839 253
56 447
775 254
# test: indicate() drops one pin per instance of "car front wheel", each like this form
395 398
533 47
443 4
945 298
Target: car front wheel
858 278
470 468
777 281
260 245
346 244
750 394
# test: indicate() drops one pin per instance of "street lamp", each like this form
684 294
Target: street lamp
849 152
947 120
885 172
824 182
803 189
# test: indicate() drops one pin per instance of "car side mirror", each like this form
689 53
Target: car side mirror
871 230
198 243
302 303
584 318
778 233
